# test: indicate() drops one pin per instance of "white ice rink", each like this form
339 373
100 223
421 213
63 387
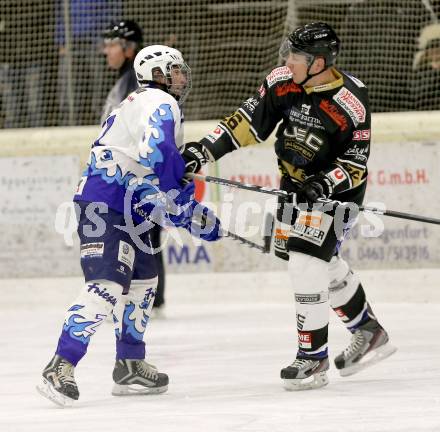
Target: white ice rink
224 341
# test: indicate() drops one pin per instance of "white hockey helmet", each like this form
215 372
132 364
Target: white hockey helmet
166 62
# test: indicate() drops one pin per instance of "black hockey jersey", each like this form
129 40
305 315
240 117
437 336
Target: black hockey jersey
322 129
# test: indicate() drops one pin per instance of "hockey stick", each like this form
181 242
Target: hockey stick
284 194
267 237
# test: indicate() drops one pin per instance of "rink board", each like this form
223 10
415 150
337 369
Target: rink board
39 170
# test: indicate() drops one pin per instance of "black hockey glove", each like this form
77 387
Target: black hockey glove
313 188
195 156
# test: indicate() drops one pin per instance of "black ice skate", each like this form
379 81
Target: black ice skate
137 377
305 374
58 383
369 345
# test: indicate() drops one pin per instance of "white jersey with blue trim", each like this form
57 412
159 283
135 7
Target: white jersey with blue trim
137 150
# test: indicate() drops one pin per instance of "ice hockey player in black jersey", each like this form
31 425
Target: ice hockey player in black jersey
322 145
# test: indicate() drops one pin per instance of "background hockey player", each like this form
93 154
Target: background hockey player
122 41
322 145
134 174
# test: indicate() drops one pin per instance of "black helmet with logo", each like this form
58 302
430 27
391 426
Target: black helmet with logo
317 39
125 29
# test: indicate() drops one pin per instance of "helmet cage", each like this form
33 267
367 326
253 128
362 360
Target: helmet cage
179 91
170 63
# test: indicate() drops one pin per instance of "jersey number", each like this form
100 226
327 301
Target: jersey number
106 126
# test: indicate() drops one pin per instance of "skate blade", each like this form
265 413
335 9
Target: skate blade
373 357
313 382
47 390
136 389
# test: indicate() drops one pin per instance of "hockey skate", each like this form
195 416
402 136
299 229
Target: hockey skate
133 377
369 345
305 374
58 383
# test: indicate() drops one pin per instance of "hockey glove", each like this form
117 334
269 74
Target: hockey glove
194 155
205 224
199 220
180 210
313 188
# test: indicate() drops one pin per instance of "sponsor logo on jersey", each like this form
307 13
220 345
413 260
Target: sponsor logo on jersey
357 150
301 135
334 114
305 109
337 176
215 134
361 135
250 104
299 149
89 250
278 74
286 88
350 103
312 227
296 116
305 339
126 254
310 219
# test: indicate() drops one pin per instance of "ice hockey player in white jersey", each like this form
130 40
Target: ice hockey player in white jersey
134 176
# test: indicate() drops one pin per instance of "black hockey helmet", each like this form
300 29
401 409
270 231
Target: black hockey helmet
126 29
317 39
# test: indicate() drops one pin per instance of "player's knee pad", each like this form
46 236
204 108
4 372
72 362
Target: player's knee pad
99 296
310 281
142 290
343 282
307 273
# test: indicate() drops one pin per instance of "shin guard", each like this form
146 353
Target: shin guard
133 318
310 281
347 296
95 301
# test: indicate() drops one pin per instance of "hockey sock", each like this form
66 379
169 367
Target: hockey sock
309 276
132 319
347 296
95 301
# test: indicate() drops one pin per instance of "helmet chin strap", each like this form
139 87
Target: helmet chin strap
309 75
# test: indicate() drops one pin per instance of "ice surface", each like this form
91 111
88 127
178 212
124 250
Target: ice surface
223 343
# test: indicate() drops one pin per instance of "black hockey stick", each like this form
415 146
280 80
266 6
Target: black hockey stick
238 185
267 235
284 194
